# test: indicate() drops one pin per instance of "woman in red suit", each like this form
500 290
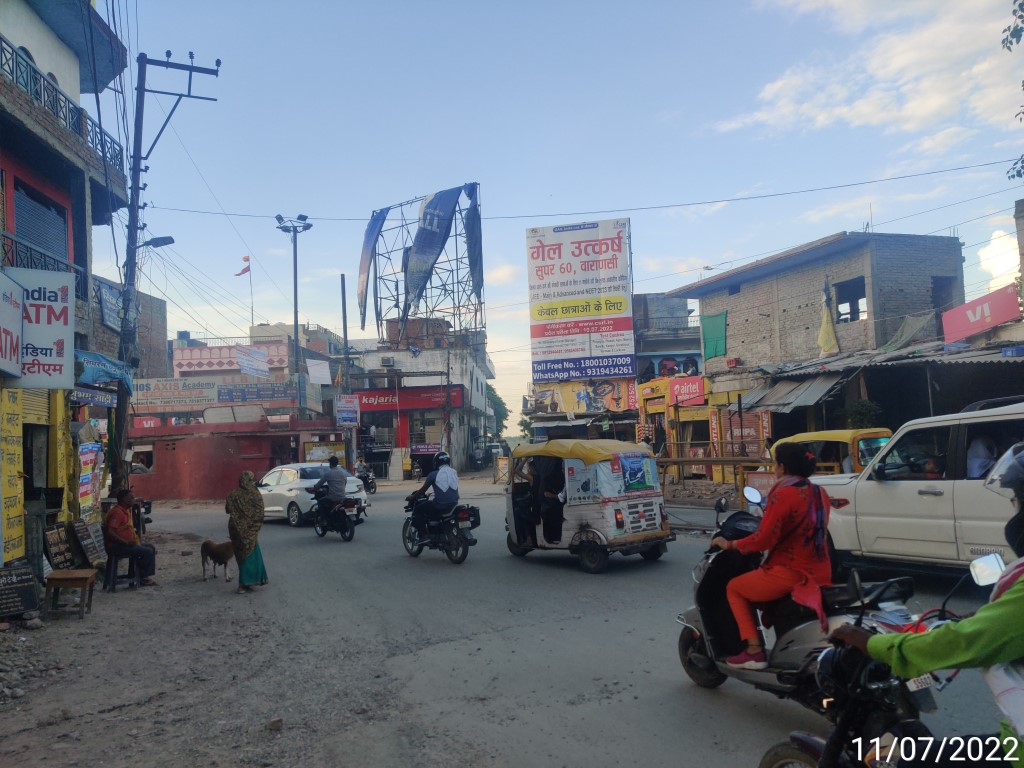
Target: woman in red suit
793 533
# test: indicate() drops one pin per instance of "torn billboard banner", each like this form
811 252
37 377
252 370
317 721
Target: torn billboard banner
373 230
474 239
435 225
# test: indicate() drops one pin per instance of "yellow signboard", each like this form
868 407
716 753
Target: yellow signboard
12 513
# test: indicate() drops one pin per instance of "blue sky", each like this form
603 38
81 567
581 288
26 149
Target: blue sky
560 109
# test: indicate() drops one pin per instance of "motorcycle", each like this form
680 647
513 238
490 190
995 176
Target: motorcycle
710 634
369 480
875 714
340 518
451 533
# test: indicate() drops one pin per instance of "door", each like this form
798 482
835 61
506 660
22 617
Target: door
981 514
907 512
266 488
289 488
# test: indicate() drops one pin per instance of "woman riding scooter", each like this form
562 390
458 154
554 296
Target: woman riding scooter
793 532
992 638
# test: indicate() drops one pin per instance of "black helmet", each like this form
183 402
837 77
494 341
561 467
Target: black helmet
441 457
1007 476
836 667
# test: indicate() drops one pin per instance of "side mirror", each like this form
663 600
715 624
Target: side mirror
720 508
854 585
878 471
752 495
986 570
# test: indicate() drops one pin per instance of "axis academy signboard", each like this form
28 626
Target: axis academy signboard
581 309
48 329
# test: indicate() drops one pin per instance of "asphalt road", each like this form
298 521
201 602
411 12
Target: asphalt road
529 662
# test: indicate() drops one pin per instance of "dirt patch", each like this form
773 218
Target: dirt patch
701 493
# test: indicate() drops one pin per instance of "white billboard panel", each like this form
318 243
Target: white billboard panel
581 309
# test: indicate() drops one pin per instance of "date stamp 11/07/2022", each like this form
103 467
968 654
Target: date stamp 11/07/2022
923 750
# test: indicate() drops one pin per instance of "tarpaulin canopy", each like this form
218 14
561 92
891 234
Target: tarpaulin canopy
588 451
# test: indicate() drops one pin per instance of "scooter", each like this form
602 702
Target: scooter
369 480
451 533
710 634
340 518
876 715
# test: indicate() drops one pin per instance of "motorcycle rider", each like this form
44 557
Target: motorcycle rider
793 532
445 482
335 480
993 638
361 467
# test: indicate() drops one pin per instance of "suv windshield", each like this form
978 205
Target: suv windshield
312 473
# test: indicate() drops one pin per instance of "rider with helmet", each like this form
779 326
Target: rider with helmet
445 482
992 638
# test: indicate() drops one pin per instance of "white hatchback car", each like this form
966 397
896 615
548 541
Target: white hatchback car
284 490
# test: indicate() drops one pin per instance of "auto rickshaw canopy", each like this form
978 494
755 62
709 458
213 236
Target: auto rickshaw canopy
846 436
588 451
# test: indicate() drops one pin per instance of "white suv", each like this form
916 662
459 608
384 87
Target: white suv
922 499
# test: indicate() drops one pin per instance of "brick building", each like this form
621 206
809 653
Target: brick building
773 306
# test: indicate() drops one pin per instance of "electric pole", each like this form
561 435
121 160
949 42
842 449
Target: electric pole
126 345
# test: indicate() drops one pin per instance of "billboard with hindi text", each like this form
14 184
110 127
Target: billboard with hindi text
581 310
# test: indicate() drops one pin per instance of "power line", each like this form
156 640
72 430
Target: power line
666 206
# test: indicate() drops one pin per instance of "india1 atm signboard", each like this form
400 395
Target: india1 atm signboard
48 329
581 308
11 303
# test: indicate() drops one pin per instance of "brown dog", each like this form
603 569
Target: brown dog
218 554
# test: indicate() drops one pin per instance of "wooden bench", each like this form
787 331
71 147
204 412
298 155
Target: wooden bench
82 579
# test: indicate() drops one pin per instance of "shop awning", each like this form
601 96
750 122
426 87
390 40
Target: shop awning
788 395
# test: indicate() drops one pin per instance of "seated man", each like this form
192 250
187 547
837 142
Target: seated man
335 480
981 455
120 539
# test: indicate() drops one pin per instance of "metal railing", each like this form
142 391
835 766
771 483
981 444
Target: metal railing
20 69
18 253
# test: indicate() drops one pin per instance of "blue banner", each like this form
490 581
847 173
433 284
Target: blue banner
593 367
474 239
99 397
109 296
373 229
100 369
436 214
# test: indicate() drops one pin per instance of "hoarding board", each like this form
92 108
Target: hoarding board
581 310
11 298
974 317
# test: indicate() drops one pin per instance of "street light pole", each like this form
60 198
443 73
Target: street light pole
294 227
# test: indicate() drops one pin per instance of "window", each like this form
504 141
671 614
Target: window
271 478
288 476
984 443
851 301
52 78
918 455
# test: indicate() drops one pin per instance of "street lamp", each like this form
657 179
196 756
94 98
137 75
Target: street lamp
126 354
293 227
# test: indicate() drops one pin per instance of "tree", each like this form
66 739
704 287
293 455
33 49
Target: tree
1012 36
499 407
525 427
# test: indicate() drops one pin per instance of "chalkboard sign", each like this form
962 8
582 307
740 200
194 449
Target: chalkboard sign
90 537
18 590
58 549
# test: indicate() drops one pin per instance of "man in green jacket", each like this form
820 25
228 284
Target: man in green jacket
993 638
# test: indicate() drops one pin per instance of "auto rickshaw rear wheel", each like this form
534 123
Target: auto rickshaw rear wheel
514 548
593 557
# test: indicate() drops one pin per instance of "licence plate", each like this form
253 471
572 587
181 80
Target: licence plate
464 524
919 683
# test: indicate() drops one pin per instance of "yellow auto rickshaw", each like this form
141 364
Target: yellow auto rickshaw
841 451
589 497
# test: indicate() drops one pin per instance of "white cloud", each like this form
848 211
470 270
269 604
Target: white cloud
1000 259
503 274
857 209
943 69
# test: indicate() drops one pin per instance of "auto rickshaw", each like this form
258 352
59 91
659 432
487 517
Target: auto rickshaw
589 497
841 451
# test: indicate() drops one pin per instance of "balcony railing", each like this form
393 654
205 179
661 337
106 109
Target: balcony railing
44 92
18 253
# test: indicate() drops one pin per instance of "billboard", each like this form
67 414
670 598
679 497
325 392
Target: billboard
411 398
11 297
592 396
581 310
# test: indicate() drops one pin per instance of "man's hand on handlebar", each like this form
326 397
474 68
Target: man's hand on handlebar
851 635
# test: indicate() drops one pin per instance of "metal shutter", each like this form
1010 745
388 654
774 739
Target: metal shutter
35 406
43 225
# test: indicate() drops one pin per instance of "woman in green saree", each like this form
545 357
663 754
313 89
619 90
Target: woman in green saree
244 506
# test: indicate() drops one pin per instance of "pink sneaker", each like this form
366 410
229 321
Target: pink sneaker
748 660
